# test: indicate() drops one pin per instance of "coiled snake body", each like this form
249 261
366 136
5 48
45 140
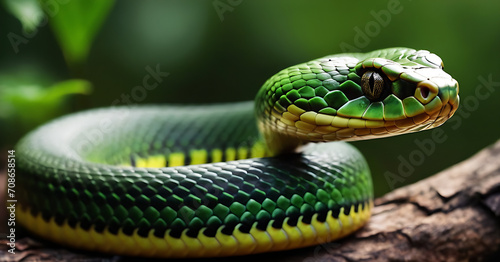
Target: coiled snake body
221 180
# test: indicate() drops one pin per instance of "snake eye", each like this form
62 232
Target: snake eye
372 84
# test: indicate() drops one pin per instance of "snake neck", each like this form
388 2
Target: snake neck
278 143
273 134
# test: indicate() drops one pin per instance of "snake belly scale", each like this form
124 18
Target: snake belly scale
229 179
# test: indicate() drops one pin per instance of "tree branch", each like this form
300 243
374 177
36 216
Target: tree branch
451 216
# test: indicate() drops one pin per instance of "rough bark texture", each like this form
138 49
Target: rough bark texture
452 216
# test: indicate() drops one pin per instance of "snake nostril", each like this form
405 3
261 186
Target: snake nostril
424 91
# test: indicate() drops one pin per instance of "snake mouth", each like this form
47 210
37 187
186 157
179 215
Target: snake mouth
312 126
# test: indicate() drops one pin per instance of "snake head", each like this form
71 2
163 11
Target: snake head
359 96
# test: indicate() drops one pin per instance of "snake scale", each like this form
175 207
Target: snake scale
229 179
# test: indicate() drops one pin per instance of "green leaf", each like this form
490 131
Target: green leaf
31 105
68 87
75 25
29 13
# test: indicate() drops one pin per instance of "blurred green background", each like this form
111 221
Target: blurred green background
93 53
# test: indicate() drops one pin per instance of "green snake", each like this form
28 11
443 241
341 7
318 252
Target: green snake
229 179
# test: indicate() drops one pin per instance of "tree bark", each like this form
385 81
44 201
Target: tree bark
451 216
